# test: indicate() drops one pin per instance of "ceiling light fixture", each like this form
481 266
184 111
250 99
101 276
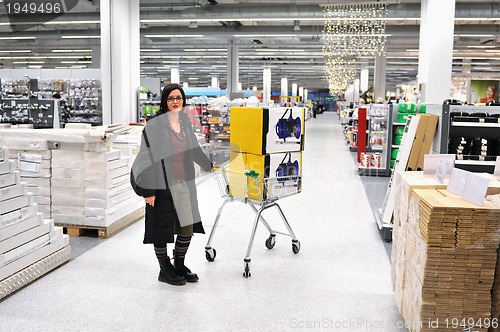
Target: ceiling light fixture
174 36
296 26
193 25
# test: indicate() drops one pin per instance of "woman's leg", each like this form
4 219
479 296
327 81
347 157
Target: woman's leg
181 247
168 273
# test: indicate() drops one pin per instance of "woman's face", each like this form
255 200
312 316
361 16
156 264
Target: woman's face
490 93
175 101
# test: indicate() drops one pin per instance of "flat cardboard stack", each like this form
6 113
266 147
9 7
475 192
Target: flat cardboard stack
446 259
422 142
25 236
444 254
495 294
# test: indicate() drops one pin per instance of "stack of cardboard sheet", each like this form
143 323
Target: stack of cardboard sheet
443 257
495 294
25 236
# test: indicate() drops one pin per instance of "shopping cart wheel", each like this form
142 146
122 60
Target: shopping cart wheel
246 272
271 241
295 246
210 254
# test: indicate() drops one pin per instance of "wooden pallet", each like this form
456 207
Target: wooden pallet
103 232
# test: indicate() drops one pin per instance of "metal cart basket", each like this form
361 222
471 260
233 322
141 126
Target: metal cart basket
252 189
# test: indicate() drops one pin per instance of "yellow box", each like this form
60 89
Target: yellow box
271 175
267 130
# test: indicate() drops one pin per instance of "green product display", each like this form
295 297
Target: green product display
422 109
394 153
393 162
402 117
397 139
399 130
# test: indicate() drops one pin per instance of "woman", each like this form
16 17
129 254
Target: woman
491 94
163 173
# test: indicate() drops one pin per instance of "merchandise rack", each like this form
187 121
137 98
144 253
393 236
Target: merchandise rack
486 130
244 187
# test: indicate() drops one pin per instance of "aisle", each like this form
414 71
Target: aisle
339 281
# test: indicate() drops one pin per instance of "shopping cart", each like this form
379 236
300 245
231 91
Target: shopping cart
252 189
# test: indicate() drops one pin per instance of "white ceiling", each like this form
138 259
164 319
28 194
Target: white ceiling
293 54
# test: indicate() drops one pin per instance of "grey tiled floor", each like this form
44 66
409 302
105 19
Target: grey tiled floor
340 280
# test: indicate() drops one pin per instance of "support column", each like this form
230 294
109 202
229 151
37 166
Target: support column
232 68
356 90
306 95
379 79
436 50
266 86
294 89
301 93
96 57
214 82
120 74
174 75
284 89
364 79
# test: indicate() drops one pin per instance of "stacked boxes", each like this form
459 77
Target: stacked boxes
33 159
25 236
91 188
443 256
267 142
87 183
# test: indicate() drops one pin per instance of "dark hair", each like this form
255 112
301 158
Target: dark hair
166 92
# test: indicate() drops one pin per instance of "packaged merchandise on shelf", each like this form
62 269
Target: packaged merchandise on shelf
263 131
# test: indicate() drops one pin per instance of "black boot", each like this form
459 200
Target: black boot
168 273
183 270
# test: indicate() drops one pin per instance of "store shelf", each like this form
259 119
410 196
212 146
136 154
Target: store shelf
475 124
475 162
468 130
399 123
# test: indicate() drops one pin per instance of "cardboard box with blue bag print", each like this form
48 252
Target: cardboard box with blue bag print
263 131
268 176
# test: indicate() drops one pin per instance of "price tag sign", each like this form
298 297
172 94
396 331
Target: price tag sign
442 170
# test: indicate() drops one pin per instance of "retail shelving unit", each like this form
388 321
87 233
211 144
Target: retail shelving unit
78 101
396 127
477 125
377 162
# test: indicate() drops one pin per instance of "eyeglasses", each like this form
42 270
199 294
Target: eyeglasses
172 99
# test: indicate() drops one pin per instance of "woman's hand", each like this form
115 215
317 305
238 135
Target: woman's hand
150 200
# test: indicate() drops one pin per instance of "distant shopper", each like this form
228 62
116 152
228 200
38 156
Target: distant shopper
315 108
163 173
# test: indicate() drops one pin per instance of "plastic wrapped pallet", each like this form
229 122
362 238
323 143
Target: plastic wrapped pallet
35 169
86 173
25 236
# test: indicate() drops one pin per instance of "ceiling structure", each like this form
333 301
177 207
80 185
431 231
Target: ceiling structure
285 35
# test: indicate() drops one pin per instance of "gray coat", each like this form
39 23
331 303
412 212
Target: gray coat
150 176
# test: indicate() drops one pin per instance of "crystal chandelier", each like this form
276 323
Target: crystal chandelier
340 73
351 30
355 28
